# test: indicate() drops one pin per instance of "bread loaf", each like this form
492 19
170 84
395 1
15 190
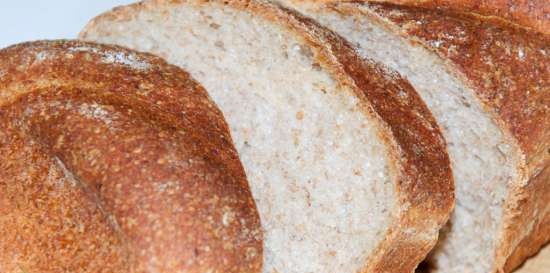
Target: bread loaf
488 85
346 164
114 161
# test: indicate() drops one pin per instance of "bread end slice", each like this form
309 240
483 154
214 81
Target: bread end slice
115 161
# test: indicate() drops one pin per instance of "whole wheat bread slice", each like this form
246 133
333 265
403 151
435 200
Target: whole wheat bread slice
346 164
488 85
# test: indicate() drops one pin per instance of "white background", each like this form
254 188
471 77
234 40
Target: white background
28 20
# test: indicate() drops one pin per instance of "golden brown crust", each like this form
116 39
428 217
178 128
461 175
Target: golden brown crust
534 14
37 241
531 213
531 14
425 186
508 68
114 161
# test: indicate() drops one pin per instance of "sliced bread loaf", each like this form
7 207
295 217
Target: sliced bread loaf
488 86
346 164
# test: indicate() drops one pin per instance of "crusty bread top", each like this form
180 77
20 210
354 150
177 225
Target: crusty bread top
146 145
425 187
532 14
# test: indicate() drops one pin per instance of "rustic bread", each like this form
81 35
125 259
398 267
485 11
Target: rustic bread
488 86
114 161
346 164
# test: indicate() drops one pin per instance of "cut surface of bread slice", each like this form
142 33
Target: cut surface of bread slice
488 86
115 161
347 166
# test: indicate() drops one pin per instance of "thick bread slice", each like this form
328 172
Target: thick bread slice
347 166
115 161
488 86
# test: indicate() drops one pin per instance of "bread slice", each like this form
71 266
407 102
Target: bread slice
488 86
114 161
346 165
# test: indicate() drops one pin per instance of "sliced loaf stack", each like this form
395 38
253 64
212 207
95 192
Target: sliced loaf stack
346 164
114 161
488 85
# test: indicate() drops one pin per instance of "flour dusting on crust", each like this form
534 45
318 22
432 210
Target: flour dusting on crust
95 111
126 59
112 57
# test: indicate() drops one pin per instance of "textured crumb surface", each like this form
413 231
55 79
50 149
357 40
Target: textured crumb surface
475 143
485 161
96 177
318 169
